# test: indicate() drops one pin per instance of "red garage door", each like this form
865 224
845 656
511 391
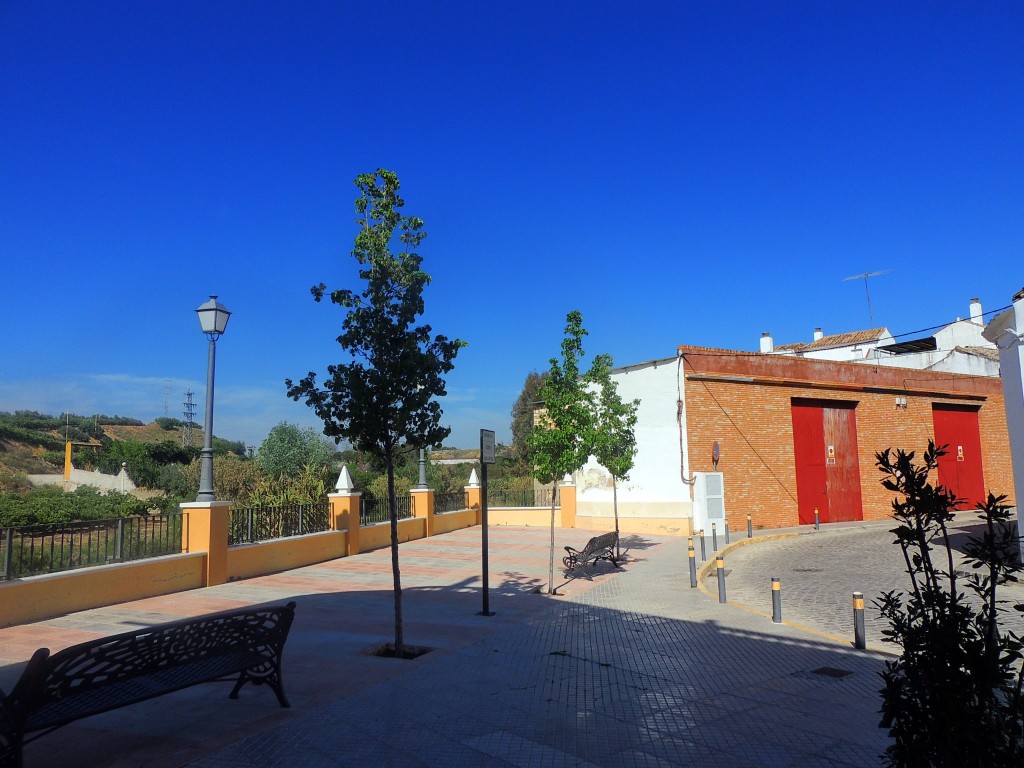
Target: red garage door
825 450
960 470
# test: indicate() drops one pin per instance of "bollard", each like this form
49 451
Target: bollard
693 563
776 600
726 526
703 550
714 537
858 621
720 567
817 524
750 527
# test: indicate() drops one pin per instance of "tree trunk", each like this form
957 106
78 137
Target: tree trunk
551 558
615 507
393 509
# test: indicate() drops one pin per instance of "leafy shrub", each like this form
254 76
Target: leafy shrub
953 698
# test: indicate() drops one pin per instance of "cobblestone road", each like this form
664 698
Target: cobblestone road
821 570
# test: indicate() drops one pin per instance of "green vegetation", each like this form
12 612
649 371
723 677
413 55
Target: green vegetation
382 398
953 697
561 442
50 504
614 424
522 419
289 449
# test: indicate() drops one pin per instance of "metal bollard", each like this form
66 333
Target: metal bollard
817 523
776 600
750 527
859 641
703 549
726 526
693 563
714 537
720 567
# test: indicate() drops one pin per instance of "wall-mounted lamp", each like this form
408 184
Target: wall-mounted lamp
901 401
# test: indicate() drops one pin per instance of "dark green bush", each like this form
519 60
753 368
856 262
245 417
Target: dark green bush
953 698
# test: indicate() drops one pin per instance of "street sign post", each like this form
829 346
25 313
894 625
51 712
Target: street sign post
486 457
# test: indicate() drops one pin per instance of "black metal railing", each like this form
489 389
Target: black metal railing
450 502
33 549
521 497
373 511
249 524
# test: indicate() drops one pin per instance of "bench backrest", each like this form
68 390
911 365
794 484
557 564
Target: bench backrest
603 541
108 660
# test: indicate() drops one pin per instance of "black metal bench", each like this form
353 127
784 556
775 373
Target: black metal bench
112 672
598 548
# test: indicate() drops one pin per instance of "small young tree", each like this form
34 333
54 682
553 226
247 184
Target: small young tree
383 396
953 697
614 424
560 443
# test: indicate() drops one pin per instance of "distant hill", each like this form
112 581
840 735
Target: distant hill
33 442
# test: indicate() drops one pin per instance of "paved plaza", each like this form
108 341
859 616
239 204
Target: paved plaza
633 668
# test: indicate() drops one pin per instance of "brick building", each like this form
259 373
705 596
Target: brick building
793 434
797 433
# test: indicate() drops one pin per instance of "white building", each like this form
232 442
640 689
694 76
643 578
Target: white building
959 347
656 498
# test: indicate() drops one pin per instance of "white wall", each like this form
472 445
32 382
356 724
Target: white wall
948 361
660 464
962 333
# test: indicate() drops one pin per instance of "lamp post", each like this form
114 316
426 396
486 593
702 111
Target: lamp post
213 317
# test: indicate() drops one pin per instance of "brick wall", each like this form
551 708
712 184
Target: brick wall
743 401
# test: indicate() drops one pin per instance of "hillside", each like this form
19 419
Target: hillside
33 443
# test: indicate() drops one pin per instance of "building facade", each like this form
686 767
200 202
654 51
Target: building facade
790 435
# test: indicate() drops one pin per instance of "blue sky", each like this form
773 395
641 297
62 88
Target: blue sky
680 172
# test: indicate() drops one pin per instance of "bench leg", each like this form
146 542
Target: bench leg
272 679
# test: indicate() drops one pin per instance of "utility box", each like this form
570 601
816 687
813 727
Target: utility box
708 501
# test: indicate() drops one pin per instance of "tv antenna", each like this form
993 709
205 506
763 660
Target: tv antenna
867 293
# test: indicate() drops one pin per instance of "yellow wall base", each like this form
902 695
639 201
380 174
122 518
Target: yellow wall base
54 594
248 560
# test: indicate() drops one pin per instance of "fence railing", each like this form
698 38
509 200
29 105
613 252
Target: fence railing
372 511
522 497
33 549
450 502
250 524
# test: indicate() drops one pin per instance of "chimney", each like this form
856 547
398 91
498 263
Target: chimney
976 314
767 345
818 334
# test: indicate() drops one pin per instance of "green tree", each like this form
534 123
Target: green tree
522 417
560 443
383 397
953 697
288 449
614 444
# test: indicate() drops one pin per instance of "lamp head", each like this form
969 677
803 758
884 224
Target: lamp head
213 317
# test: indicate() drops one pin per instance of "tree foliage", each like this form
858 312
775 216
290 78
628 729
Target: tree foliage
384 395
288 449
614 425
953 697
522 416
560 442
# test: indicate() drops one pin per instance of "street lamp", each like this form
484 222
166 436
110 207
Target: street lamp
213 317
